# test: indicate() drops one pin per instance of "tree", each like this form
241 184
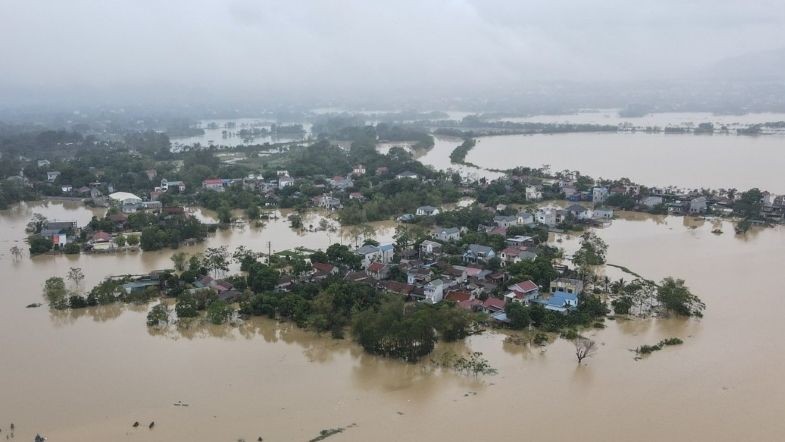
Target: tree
16 252
749 204
475 364
262 278
218 312
133 240
39 244
518 315
677 298
76 276
179 259
592 251
55 293
584 348
216 260
158 315
121 241
186 306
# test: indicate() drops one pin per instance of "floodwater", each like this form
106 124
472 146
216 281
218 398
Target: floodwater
660 119
690 161
231 138
88 375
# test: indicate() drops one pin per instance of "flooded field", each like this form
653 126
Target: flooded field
89 375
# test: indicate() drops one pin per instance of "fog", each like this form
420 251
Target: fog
240 50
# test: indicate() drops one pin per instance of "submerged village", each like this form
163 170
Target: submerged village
468 253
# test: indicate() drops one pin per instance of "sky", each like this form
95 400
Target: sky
236 49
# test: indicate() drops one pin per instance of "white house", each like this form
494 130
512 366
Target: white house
285 181
434 291
549 216
429 247
382 253
579 212
451 234
505 221
602 213
166 185
651 201
698 205
427 211
533 193
52 176
407 174
358 170
525 219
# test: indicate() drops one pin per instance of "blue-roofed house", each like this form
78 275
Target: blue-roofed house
559 301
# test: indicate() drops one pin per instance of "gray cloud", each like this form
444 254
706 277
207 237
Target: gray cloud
250 48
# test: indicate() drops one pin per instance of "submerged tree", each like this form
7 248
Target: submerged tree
677 298
16 252
584 348
76 276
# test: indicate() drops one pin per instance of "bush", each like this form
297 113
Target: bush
72 249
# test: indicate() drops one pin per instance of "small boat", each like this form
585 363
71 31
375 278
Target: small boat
717 232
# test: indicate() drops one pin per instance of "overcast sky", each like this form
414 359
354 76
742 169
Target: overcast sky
249 48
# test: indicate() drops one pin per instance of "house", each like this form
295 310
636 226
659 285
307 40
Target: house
398 288
578 212
570 192
407 174
358 170
370 253
599 195
651 202
166 185
357 196
451 234
66 188
494 305
382 170
101 241
139 286
698 205
216 184
533 193
459 296
119 219
322 270
52 176
505 221
567 285
434 291
520 240
429 247
516 254
525 219
326 202
427 211
478 252
282 173
43 163
549 216
378 271
341 183
419 275
523 292
285 181
602 213
559 301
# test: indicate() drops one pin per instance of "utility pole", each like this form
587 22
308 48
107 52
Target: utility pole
269 253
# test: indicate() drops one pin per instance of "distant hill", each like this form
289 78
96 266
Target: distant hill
753 66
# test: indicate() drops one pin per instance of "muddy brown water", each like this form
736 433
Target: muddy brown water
88 375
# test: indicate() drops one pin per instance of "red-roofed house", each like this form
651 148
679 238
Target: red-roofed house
378 270
471 305
213 184
459 296
494 305
324 268
524 292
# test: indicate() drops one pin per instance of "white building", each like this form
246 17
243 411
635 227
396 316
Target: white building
599 195
434 291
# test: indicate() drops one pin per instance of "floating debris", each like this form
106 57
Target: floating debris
136 424
152 424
